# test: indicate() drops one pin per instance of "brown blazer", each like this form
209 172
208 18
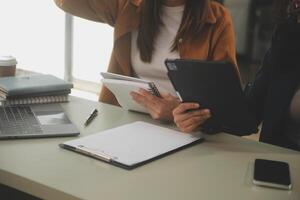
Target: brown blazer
217 41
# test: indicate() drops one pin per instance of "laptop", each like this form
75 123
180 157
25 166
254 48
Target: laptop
215 86
35 121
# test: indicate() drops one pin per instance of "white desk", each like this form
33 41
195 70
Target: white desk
219 168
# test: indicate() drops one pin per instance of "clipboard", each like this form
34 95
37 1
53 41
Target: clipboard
132 145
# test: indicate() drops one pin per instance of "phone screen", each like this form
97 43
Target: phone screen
272 173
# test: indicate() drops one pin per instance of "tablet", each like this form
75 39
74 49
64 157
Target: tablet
215 86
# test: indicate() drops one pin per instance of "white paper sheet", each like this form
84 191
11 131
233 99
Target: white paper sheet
134 143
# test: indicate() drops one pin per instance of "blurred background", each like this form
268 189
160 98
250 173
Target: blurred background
253 21
44 39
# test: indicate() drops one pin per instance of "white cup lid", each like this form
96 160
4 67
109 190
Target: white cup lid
7 60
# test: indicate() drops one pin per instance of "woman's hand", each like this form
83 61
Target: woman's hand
159 108
189 116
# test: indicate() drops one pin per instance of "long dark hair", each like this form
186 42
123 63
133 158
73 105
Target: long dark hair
191 26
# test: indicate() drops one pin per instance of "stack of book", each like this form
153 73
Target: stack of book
34 89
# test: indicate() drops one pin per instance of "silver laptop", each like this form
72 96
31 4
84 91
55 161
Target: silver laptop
35 121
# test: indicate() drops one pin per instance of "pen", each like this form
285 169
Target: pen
91 117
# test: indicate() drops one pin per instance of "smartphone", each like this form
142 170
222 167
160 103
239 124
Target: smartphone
270 173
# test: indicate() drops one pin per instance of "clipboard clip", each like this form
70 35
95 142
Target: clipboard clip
93 153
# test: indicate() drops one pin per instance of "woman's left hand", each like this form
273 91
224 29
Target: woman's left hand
159 108
189 117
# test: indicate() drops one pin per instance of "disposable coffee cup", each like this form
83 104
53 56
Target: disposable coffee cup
7 65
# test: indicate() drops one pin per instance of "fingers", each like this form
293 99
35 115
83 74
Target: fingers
192 124
150 102
179 118
158 108
193 120
184 107
148 95
189 121
138 98
192 127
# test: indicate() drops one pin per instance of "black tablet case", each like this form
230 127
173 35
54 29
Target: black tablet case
216 86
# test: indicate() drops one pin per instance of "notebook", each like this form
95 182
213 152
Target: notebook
53 93
33 84
34 100
121 86
132 145
33 89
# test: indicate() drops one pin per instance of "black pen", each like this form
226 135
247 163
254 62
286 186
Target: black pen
91 117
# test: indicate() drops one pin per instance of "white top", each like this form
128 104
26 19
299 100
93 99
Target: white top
156 70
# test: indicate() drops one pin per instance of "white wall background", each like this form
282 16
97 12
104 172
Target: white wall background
239 12
33 31
93 43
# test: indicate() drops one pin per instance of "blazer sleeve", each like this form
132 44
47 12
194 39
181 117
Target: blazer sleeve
105 11
256 91
282 55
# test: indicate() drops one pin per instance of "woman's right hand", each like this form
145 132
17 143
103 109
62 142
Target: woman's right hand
189 116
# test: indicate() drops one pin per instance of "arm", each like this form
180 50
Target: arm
256 91
282 55
104 11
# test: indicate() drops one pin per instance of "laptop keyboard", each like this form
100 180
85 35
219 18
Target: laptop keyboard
18 120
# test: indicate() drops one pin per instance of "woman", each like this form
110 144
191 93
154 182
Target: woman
149 31
274 96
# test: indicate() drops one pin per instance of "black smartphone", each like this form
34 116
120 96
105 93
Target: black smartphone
270 173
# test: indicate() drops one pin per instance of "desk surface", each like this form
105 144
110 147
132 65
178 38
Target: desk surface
219 168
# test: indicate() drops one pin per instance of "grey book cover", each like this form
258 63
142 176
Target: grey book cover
33 84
